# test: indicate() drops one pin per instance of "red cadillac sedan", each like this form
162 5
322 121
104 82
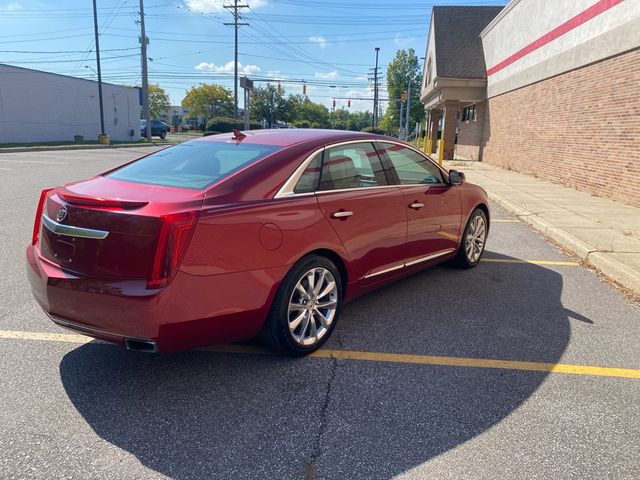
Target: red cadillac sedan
232 236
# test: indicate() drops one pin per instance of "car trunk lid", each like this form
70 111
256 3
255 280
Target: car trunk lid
109 228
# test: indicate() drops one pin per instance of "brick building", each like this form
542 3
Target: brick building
559 90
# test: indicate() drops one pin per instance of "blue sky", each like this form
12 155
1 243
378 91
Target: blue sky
327 43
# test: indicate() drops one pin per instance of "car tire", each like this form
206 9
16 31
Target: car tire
295 325
474 239
163 135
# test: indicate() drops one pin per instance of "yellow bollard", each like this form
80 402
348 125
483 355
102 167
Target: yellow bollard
440 151
427 147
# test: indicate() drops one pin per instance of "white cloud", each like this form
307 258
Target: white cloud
10 7
227 68
326 75
275 74
401 41
213 6
320 40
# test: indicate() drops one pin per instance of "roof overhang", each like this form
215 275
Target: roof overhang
461 89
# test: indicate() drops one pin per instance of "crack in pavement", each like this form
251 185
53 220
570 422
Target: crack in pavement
310 469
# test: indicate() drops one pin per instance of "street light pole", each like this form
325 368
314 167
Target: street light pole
95 27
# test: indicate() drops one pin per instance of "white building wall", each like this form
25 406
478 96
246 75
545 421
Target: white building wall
41 107
614 30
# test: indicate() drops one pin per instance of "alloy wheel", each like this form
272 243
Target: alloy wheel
476 236
312 306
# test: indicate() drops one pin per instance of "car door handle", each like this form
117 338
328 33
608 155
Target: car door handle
416 205
341 214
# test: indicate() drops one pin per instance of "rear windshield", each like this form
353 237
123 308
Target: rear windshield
193 164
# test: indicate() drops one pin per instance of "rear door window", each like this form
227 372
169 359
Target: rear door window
194 165
411 167
355 165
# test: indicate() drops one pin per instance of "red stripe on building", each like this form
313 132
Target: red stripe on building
591 12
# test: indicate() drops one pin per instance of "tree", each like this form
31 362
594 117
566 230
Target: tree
159 101
309 114
360 120
208 100
270 104
404 70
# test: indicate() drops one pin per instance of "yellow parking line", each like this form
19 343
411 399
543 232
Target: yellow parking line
504 220
44 336
534 262
432 360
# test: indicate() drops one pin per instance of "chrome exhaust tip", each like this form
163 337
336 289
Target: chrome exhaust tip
140 345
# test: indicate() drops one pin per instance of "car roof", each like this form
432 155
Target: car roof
284 137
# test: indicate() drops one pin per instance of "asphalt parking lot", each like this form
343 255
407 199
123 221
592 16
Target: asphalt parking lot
526 367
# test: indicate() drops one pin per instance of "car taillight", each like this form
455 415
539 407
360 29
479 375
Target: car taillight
38 219
175 233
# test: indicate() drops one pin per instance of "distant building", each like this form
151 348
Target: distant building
550 89
176 115
38 106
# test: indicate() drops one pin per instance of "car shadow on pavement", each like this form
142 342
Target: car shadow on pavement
213 415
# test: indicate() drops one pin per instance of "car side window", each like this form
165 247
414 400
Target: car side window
351 166
308 182
411 167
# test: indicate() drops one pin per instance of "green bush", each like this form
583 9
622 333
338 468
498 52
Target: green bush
227 124
224 124
372 130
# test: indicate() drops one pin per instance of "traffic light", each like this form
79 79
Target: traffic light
404 96
304 88
334 103
349 103
279 88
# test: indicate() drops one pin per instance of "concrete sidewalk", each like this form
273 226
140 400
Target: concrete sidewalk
604 233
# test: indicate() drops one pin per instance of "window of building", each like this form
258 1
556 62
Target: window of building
469 113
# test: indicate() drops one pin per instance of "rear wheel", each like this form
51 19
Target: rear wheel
306 307
473 240
163 135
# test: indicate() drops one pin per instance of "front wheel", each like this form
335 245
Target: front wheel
163 135
473 240
305 309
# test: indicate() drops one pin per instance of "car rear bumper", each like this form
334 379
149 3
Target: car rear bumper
191 311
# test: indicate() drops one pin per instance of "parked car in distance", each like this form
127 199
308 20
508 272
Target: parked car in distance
158 128
230 236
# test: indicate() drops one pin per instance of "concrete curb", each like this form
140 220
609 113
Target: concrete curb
601 261
80 147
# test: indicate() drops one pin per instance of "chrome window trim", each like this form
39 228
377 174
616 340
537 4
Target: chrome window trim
71 231
287 188
355 189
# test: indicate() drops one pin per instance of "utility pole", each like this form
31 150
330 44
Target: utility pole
145 76
95 28
236 16
406 129
375 91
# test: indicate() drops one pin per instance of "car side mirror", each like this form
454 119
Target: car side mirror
456 177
